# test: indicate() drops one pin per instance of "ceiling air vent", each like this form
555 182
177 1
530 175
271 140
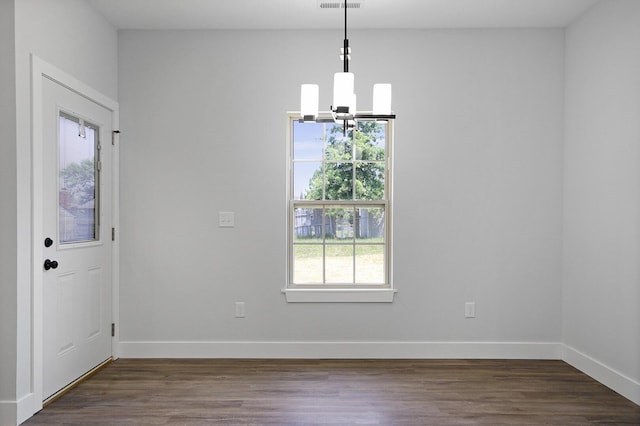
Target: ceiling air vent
339 4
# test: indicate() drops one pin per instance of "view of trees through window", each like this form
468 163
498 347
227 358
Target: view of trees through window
77 184
339 192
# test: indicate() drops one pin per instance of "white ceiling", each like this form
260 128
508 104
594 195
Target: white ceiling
306 14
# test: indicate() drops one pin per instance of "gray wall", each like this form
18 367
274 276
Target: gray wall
8 306
478 183
601 280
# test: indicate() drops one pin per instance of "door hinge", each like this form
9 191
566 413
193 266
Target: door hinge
113 329
99 165
113 136
113 234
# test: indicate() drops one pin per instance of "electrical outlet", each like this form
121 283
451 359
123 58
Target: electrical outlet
226 219
239 309
470 310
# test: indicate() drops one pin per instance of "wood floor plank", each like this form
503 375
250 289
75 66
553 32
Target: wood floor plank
346 392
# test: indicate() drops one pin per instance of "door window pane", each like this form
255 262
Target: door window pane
78 177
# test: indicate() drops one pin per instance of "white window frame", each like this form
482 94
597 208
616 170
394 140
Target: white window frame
340 293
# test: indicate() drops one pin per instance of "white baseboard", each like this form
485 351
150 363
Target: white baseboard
16 412
27 407
345 350
625 386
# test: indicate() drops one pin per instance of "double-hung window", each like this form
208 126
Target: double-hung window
339 192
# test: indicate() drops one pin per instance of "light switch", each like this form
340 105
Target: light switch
226 219
239 309
470 310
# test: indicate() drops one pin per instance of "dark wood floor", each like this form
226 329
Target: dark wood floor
389 392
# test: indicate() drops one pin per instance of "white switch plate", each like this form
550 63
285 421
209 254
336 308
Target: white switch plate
239 309
226 219
470 310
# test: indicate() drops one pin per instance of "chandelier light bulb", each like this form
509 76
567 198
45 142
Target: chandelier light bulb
309 94
382 99
342 89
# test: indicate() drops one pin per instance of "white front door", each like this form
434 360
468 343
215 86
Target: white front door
77 220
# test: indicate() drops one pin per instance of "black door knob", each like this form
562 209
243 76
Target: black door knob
50 264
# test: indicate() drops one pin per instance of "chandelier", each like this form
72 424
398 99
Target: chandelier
343 108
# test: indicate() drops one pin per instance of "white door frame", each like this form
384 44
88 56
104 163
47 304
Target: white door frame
40 70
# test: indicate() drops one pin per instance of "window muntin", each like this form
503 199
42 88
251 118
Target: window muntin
339 190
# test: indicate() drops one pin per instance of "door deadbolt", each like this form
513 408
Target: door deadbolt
48 242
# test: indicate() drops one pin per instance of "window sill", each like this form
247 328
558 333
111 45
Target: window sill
347 295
